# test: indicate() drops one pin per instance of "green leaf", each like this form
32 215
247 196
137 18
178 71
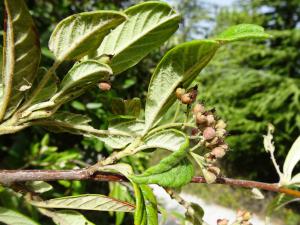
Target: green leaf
150 205
171 160
177 176
87 202
132 128
179 67
82 76
117 136
291 160
195 214
66 217
170 139
173 171
120 192
242 32
11 217
39 186
148 26
129 107
77 34
48 91
21 55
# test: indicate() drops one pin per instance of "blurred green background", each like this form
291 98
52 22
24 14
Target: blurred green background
249 84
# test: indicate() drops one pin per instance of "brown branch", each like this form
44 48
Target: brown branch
8 177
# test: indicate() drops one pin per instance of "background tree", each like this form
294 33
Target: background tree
260 84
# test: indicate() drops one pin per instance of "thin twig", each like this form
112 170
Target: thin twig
8 177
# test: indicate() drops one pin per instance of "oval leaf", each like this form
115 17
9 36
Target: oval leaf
21 55
242 32
81 77
87 202
48 91
12 217
291 160
76 35
179 66
117 136
148 26
66 217
177 176
170 140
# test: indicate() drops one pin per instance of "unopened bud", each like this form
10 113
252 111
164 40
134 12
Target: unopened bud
222 222
198 108
209 158
209 133
179 92
221 133
200 119
104 86
218 152
209 176
212 143
221 124
224 146
186 99
210 120
215 170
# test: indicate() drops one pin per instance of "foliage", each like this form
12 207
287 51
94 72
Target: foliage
97 46
264 85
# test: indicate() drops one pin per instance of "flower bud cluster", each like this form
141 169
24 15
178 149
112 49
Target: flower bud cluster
213 131
186 97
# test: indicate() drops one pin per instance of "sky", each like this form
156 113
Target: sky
221 2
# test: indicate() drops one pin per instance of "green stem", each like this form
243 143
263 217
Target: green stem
129 150
176 112
170 125
41 85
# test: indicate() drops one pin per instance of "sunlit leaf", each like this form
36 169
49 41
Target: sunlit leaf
87 202
82 76
179 67
291 160
48 91
117 136
77 34
148 26
66 217
21 55
170 139
11 217
242 32
177 176
39 186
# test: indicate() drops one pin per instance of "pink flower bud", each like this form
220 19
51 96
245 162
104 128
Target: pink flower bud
210 120
224 146
218 152
200 119
186 99
198 108
209 133
104 86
